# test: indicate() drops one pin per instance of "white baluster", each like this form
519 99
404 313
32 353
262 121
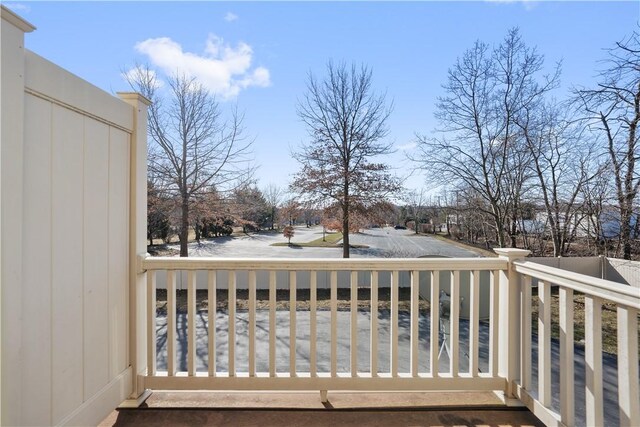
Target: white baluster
191 323
373 356
292 323
354 323
628 382
252 323
334 323
567 378
211 314
415 337
313 329
435 322
544 343
151 322
272 323
525 335
232 324
593 360
494 322
474 308
393 339
171 322
455 323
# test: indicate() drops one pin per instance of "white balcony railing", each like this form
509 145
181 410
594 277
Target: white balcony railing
488 352
596 292
371 273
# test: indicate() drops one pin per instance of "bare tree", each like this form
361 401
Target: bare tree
290 211
613 110
485 92
596 196
273 196
192 148
417 200
250 207
561 162
158 211
347 123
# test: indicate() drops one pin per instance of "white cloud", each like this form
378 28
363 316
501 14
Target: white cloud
230 17
222 68
18 7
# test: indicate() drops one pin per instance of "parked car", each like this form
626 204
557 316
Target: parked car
400 227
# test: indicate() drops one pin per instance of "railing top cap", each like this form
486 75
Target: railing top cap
134 96
512 253
173 263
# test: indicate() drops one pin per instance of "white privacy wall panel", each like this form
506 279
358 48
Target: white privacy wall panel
65 219
37 279
118 249
96 256
67 136
76 245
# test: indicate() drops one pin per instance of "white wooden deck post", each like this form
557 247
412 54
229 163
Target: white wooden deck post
137 245
509 319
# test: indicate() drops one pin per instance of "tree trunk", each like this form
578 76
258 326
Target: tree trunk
345 222
198 231
345 235
273 218
184 228
557 244
500 238
625 232
513 234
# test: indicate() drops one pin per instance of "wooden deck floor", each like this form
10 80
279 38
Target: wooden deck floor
305 409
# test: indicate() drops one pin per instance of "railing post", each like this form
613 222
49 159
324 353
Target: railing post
509 319
137 245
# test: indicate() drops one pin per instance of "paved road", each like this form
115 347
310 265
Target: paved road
383 242
387 242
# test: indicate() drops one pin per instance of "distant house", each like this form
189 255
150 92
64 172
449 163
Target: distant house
532 226
610 223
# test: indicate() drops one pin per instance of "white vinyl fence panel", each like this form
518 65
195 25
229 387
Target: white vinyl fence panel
67 359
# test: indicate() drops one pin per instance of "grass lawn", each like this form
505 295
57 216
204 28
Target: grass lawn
609 319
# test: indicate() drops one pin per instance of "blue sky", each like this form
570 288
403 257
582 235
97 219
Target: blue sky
258 54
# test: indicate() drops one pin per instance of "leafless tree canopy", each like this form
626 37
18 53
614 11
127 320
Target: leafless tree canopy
274 197
479 146
613 110
563 160
192 148
347 124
